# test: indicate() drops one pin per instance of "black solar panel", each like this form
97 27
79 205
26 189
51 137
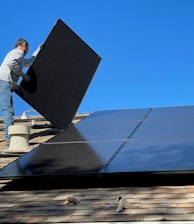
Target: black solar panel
115 142
60 76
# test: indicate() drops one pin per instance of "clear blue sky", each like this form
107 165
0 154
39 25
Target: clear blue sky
147 47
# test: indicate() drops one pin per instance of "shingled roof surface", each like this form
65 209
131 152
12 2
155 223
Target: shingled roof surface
23 203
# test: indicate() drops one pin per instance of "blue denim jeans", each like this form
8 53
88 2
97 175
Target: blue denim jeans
6 104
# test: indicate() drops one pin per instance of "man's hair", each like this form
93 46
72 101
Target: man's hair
21 42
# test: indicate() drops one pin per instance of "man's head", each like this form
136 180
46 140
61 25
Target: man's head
23 45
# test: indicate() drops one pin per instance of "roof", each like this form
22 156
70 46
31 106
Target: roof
21 202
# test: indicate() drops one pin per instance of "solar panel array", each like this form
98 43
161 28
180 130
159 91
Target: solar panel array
107 143
115 142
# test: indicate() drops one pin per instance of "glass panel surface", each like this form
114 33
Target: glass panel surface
154 155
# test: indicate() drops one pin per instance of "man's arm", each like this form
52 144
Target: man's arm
28 62
16 62
16 65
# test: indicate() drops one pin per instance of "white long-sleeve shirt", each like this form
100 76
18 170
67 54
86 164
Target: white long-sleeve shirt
12 65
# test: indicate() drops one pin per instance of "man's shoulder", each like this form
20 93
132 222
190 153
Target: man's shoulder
16 53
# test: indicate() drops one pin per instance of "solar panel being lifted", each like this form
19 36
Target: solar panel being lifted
60 76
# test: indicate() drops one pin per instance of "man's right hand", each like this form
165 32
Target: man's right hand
14 87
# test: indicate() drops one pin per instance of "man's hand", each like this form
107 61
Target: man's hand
37 50
14 87
26 77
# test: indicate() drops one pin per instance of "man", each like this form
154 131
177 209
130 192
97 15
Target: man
10 71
